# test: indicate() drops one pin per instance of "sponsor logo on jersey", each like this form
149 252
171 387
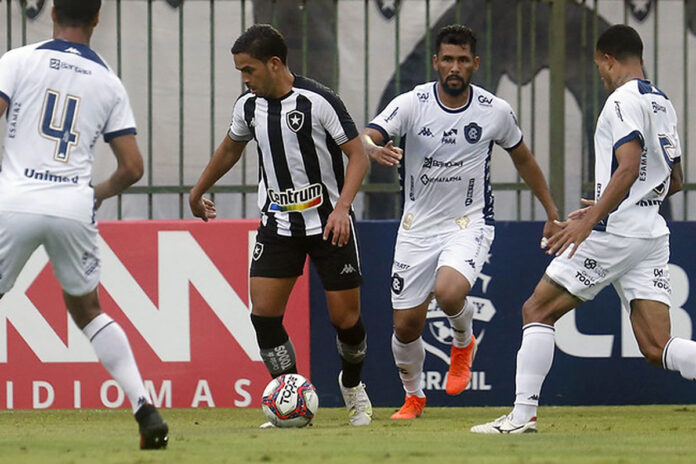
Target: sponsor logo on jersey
295 120
472 132
643 170
644 203
485 101
303 199
657 108
397 283
470 192
585 279
58 65
412 190
449 137
48 176
13 116
617 108
430 162
401 266
462 222
392 115
425 179
661 279
425 132
422 96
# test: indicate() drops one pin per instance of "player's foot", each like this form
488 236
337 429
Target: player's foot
357 402
154 432
412 408
504 424
460 367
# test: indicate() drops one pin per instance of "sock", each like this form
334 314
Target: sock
276 349
680 355
352 347
111 345
462 325
409 358
534 360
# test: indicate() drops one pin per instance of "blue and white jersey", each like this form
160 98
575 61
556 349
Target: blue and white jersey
447 156
61 98
637 111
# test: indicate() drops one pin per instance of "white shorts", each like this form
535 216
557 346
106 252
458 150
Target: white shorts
71 247
637 267
417 260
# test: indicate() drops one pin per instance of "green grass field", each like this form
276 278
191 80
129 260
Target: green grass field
601 434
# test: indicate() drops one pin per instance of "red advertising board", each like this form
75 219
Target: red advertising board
179 289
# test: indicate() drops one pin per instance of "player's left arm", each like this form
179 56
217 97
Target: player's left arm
338 223
3 107
529 170
129 168
575 231
676 179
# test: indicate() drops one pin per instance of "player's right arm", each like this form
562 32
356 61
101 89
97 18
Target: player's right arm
226 155
387 155
676 179
3 107
129 168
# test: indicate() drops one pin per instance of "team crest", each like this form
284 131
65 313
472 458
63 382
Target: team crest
258 251
295 120
472 132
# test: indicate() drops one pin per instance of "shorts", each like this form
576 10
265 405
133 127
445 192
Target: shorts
71 247
637 267
417 260
279 256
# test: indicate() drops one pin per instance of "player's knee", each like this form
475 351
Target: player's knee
406 332
450 300
533 311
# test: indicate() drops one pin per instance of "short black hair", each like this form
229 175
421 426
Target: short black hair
263 42
456 34
76 12
621 42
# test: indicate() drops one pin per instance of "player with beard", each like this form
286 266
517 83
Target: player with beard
447 226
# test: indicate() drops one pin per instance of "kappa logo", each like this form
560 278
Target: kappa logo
347 269
472 132
617 108
295 120
258 251
425 132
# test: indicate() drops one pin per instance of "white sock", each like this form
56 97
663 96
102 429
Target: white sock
409 358
462 325
533 364
111 345
680 355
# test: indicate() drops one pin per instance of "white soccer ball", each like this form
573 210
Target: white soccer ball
290 400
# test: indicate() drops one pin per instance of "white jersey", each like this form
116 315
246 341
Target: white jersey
637 111
61 97
447 156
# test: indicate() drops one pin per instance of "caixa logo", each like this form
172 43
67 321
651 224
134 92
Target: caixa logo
572 341
437 339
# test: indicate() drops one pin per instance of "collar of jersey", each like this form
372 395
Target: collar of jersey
453 110
61 45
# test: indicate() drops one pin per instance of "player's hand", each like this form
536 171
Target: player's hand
388 155
580 213
338 226
550 228
202 208
573 233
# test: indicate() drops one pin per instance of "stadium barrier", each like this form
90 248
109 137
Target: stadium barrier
180 291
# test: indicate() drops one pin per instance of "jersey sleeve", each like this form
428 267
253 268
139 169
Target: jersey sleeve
626 120
337 121
8 67
239 129
393 120
121 120
509 133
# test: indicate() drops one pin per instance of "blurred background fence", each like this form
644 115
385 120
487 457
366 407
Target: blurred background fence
173 57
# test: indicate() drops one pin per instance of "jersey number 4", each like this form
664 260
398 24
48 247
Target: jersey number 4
64 134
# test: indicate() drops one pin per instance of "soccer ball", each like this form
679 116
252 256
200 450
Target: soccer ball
290 400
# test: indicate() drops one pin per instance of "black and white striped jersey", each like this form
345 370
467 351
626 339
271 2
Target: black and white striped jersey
301 167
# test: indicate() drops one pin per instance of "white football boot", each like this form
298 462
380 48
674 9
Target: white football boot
504 424
357 402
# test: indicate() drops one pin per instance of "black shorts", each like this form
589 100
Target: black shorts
278 256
